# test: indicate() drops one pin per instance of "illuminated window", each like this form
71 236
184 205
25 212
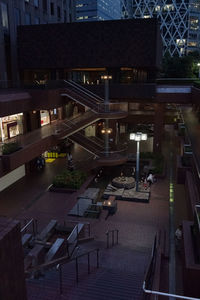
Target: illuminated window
194 23
192 44
157 8
168 7
180 42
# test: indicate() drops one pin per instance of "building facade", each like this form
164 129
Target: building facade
97 10
25 12
179 22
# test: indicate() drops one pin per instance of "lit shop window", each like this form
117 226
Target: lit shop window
44 117
11 126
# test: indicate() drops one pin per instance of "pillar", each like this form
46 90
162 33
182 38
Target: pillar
158 127
12 279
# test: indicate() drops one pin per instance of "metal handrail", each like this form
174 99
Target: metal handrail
149 269
114 152
34 226
93 106
93 141
61 261
112 232
84 89
166 294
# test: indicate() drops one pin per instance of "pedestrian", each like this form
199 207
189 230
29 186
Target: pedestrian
178 237
150 179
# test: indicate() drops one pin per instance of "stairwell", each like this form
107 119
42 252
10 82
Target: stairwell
115 279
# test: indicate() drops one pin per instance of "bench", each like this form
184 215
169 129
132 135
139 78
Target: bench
46 232
26 239
58 249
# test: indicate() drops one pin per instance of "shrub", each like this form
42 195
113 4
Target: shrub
69 179
9 148
157 159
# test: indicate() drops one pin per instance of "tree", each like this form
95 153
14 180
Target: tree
180 67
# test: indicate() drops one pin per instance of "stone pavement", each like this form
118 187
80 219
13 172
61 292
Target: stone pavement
137 222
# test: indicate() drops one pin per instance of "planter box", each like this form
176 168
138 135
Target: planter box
61 190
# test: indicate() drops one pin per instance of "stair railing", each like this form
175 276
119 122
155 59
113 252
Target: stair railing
59 266
148 279
81 135
34 224
113 237
84 90
59 262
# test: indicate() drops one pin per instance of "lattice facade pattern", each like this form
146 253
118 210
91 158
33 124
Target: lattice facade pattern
179 21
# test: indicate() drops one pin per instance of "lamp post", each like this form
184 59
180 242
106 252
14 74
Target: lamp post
106 79
199 69
138 136
106 131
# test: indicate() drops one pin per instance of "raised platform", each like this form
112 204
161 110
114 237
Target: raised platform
142 195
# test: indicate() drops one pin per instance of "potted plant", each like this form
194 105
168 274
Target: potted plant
9 148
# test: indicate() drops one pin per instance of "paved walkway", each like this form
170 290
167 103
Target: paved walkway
137 222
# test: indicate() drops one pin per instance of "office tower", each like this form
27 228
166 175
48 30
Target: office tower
179 22
97 10
25 12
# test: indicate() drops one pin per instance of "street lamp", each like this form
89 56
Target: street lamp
199 69
138 136
106 79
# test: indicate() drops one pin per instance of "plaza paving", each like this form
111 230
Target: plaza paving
137 222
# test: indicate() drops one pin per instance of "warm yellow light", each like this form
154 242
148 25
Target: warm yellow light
106 77
106 130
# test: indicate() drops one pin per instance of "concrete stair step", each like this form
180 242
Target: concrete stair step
100 284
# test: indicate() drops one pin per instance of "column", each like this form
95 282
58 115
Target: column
158 127
12 279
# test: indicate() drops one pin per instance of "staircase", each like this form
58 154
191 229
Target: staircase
111 281
69 127
94 145
83 96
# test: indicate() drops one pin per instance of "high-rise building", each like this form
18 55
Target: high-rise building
97 10
25 12
179 22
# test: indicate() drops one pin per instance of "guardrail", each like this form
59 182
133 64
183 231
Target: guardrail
59 262
148 279
112 235
34 224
